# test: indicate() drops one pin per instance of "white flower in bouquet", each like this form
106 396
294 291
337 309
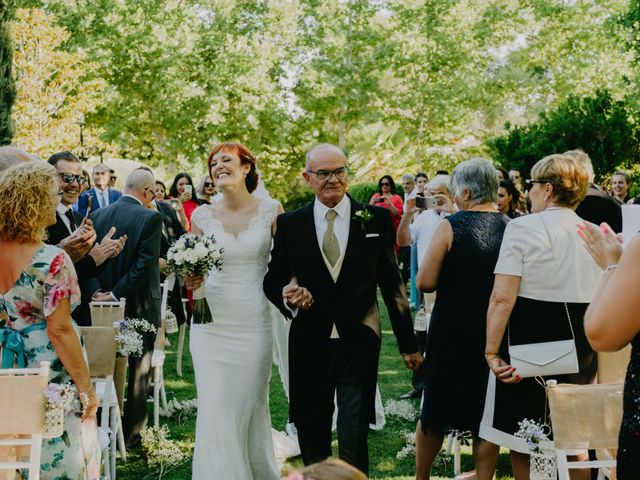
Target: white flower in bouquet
195 255
130 340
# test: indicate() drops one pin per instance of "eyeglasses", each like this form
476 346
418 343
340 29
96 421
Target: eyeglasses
208 184
70 177
340 173
152 190
528 184
385 184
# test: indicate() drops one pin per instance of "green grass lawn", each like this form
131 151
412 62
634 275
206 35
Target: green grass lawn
393 379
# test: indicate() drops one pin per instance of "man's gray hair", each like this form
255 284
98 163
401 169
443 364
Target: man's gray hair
479 176
584 160
138 180
407 177
322 146
10 156
440 181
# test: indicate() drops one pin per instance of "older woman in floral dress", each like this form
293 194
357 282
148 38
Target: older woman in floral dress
38 289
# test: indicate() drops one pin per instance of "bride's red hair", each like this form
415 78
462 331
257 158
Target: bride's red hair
245 156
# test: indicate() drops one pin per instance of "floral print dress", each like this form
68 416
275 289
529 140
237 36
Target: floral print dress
48 279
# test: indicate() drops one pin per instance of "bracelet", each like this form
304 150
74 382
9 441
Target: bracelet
84 397
610 267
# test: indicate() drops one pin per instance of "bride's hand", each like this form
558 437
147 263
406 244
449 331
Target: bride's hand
193 282
297 296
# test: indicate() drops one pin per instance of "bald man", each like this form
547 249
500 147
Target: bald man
135 276
10 156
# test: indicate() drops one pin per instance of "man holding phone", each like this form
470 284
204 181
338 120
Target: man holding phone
75 234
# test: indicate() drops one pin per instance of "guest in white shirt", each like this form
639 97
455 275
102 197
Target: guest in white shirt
544 282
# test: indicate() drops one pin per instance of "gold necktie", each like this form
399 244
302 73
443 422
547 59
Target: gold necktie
330 245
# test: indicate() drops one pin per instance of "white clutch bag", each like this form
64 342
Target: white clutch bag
542 359
421 320
545 358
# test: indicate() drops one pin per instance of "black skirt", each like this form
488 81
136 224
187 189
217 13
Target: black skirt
533 321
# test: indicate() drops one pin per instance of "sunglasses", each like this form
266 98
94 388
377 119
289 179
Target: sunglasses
208 184
385 184
528 184
70 177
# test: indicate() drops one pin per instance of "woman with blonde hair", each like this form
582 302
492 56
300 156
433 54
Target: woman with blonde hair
330 469
544 281
39 288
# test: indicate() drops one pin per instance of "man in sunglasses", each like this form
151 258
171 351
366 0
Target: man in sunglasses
74 234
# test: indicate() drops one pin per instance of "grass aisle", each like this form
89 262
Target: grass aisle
393 379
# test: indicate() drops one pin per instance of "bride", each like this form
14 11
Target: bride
232 356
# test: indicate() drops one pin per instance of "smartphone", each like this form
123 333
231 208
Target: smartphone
379 200
426 203
89 205
175 203
188 188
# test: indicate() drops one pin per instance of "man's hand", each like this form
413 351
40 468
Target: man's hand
297 296
412 360
102 297
411 206
108 248
78 244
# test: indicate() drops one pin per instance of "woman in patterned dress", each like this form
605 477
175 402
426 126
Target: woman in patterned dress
38 289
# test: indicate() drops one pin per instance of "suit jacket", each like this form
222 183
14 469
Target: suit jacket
172 230
598 207
350 302
81 204
135 273
85 268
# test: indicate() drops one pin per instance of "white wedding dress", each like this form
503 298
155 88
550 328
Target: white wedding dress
232 356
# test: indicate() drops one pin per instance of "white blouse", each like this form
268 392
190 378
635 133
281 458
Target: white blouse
553 264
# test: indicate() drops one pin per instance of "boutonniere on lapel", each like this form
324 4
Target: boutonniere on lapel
363 216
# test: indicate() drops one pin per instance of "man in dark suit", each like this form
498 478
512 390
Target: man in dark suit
135 276
597 206
74 234
328 259
102 194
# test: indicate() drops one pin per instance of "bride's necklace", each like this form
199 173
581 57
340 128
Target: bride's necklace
553 207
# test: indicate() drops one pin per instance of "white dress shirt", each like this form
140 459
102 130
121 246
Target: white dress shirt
62 210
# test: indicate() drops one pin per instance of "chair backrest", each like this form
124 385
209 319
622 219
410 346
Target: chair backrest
585 416
100 345
612 366
103 314
164 286
22 399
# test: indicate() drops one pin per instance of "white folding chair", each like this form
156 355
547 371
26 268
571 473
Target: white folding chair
101 347
105 314
157 361
22 422
584 417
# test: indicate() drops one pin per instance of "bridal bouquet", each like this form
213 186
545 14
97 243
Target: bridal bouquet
129 339
195 255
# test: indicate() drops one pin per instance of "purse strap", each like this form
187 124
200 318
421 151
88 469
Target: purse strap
566 308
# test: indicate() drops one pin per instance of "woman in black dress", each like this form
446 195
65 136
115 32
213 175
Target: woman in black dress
544 283
459 264
611 322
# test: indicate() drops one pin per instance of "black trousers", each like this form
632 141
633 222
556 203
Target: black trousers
135 412
314 434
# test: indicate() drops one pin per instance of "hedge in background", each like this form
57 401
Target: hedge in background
604 128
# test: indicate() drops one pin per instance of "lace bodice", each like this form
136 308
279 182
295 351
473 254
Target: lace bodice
237 288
